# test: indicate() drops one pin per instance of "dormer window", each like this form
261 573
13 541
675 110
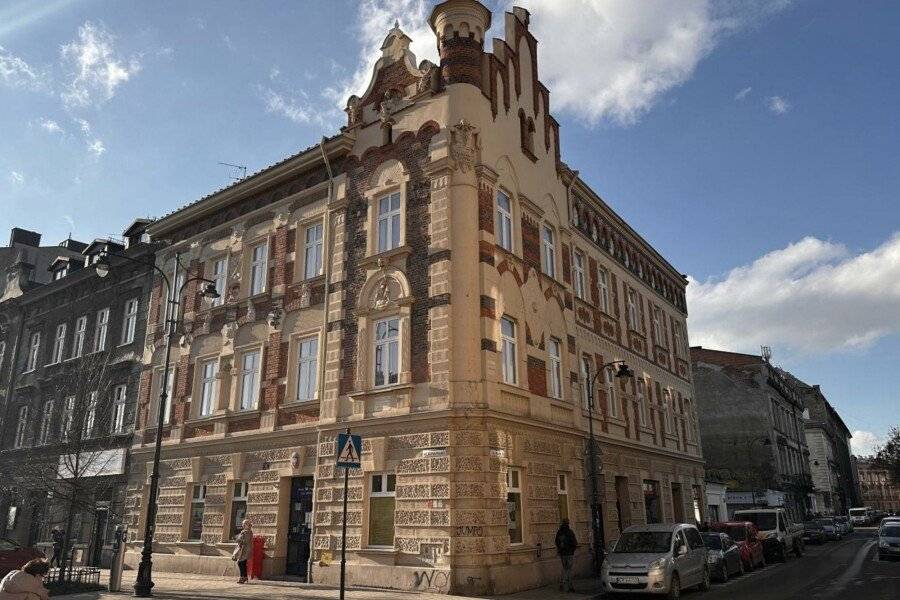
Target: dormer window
60 273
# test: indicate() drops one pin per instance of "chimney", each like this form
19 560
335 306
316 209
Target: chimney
460 26
24 237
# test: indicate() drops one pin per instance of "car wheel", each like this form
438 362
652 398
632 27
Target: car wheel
675 588
704 583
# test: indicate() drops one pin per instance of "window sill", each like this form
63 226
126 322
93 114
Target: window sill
375 391
383 550
123 344
296 403
387 255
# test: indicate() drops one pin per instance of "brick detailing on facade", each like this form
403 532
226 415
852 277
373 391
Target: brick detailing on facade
461 59
531 243
488 307
485 207
537 376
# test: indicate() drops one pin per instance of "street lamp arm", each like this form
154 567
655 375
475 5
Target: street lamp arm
146 263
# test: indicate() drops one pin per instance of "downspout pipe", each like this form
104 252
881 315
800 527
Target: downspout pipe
324 343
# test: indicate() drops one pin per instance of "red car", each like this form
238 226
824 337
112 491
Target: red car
13 556
746 535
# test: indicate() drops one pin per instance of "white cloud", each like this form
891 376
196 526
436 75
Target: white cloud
96 147
94 144
274 72
95 69
865 443
50 126
287 107
16 178
743 93
811 297
778 105
15 72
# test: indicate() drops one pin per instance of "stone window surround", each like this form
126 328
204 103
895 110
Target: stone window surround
210 273
233 401
197 387
155 383
188 510
521 361
514 216
385 186
554 245
317 211
390 469
247 265
293 358
523 503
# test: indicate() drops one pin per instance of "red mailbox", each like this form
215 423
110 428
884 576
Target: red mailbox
255 564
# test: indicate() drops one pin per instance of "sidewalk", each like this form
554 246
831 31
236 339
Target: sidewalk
176 586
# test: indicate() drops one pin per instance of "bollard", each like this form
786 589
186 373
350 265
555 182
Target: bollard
118 561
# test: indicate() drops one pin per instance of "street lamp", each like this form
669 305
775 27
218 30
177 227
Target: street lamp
143 585
622 371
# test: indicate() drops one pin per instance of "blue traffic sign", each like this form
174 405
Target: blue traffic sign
349 449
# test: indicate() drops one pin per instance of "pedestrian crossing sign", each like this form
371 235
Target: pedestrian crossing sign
349 450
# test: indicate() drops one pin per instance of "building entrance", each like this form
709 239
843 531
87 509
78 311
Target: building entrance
299 524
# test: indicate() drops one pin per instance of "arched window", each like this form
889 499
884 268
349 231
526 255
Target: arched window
384 313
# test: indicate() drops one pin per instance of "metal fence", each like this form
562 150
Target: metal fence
85 575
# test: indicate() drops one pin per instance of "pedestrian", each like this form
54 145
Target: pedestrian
57 537
26 583
241 554
566 543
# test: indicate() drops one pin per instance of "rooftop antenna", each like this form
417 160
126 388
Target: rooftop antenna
766 353
241 168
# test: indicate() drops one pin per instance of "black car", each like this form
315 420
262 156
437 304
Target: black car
723 556
813 532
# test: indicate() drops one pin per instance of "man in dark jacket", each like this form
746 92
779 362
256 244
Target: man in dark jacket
57 537
565 548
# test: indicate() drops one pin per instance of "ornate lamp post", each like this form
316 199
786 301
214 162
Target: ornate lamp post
622 371
143 585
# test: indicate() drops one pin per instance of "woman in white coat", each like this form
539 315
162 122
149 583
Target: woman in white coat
26 583
241 554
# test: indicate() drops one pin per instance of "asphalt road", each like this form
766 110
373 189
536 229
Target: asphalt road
845 570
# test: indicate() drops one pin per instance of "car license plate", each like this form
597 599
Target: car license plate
627 580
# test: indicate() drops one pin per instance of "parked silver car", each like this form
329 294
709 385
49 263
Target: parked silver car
889 540
656 559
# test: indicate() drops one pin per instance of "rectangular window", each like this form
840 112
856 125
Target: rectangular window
641 401
198 507
208 389
548 252
578 275
603 287
249 380
118 412
508 350
169 306
90 418
381 510
678 339
387 349
78 339
59 343
129 323
170 384
651 501
586 382
657 325
562 496
667 407
220 278
34 350
632 310
68 416
504 221
514 505
307 369
259 264
389 222
46 423
611 404
100 330
238 506
312 255
555 355
21 428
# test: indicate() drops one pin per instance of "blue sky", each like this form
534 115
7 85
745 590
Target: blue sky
756 144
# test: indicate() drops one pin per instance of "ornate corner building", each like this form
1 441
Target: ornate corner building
435 278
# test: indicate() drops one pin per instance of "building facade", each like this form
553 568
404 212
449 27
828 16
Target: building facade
877 488
436 279
751 423
70 363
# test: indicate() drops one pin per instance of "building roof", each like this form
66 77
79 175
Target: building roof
724 357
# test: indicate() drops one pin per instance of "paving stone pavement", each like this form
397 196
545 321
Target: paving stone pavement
174 586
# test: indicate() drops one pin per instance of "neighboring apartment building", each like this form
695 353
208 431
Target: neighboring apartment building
70 350
471 281
878 490
751 423
828 439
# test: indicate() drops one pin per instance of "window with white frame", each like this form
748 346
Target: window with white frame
129 321
68 417
312 251
209 372
78 339
632 310
678 340
168 307
90 417
198 507
603 287
388 223
249 379
118 409
554 353
239 491
220 278
504 221
259 263
514 505
387 351
100 329
59 344
658 325
508 356
562 496
611 404
34 350
170 384
46 423
381 509
667 407
641 401
578 274
586 381
548 250
21 428
307 368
